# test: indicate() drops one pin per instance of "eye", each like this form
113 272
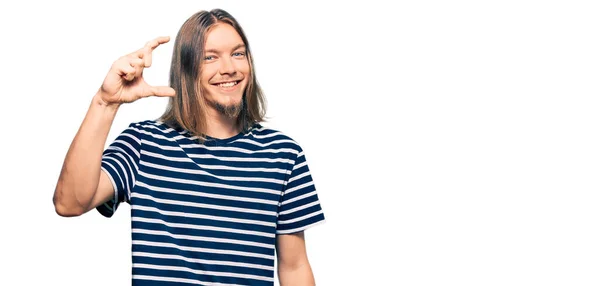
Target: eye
209 58
239 54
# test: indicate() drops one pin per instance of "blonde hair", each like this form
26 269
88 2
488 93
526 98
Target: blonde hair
186 110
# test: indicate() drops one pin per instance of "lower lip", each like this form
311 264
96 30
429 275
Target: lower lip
228 89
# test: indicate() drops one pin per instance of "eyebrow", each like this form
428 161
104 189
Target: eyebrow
234 48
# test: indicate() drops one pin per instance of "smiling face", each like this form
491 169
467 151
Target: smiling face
225 70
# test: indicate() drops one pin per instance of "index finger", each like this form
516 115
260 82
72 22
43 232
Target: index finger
157 42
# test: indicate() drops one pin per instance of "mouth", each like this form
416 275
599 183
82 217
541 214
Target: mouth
227 84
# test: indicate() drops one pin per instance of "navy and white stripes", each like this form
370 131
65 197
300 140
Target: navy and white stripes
208 214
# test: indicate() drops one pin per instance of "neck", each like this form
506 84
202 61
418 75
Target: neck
220 126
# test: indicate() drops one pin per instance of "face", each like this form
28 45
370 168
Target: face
225 70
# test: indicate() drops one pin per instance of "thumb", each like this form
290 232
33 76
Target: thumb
162 91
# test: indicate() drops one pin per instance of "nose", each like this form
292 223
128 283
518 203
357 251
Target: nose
227 66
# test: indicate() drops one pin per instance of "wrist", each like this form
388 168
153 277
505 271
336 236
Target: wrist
98 101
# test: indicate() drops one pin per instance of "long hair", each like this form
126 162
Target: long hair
187 109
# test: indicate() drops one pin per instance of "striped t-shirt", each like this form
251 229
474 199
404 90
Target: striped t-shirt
208 213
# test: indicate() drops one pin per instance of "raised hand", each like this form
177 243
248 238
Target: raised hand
124 82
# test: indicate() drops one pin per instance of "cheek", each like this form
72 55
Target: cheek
206 75
243 67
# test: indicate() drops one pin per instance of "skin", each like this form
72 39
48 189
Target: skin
82 186
225 61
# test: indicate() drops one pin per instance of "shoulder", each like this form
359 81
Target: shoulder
268 136
153 128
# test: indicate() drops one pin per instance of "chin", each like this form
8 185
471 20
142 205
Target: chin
229 103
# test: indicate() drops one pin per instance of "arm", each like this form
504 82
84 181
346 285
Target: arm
82 185
293 267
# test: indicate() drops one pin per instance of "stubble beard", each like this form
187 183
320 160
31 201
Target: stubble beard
231 111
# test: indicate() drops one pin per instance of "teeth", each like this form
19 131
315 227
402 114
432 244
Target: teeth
228 84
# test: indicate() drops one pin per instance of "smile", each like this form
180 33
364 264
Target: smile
228 84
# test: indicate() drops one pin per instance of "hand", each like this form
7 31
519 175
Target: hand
124 82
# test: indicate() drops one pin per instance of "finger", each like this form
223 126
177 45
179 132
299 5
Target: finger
146 51
147 57
136 62
138 65
137 54
150 46
125 70
157 42
162 91
144 54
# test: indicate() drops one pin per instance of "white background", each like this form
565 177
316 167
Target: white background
452 142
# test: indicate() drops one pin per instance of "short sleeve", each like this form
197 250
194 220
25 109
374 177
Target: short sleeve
120 162
300 207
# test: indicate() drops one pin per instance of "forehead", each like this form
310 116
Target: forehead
222 37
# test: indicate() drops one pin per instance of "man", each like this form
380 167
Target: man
213 193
